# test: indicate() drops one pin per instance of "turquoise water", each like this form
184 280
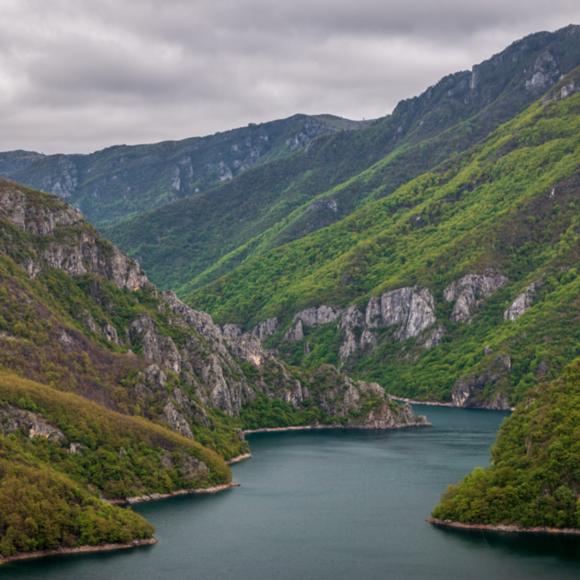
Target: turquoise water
331 505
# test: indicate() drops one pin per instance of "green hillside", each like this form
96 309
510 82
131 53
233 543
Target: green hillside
533 480
62 456
194 240
123 180
508 206
110 389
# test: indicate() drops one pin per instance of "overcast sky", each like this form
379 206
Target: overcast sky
78 75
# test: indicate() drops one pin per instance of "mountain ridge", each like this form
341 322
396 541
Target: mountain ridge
113 182
501 216
192 241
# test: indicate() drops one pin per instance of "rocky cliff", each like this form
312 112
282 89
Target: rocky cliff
408 312
176 366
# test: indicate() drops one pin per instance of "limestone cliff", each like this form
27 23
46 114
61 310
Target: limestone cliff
106 325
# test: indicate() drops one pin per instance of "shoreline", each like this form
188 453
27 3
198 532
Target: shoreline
320 427
239 458
78 550
502 528
177 493
441 404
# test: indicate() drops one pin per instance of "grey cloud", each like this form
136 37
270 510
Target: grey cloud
76 76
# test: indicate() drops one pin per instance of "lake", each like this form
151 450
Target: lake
334 505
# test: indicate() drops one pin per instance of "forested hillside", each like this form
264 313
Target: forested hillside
533 480
124 180
487 247
110 389
195 240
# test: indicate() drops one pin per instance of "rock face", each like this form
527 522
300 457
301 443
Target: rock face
348 401
266 328
14 419
409 311
469 292
522 303
175 364
69 243
470 391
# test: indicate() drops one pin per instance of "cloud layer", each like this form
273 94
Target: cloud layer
78 76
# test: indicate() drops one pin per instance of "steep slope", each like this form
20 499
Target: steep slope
534 479
61 456
110 389
119 181
79 315
461 285
195 240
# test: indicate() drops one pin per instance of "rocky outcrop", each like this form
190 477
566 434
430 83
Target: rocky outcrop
40 219
14 419
544 74
564 89
170 363
473 391
155 347
469 292
409 311
522 303
68 242
357 403
318 315
267 328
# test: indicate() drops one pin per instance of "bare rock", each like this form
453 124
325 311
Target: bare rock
522 303
411 310
470 391
469 292
266 328
14 419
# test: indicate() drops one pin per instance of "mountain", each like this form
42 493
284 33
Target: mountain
533 479
122 180
111 390
461 285
195 240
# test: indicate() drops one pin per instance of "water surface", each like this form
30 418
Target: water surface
325 505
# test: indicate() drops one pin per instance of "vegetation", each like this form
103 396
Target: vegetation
80 434
267 412
194 240
439 189
119 455
41 509
51 486
509 205
534 477
121 181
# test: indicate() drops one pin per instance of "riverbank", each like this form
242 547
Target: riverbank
502 528
176 493
239 458
319 427
78 550
440 404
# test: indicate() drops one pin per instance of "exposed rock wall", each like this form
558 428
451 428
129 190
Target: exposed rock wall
68 242
14 419
471 391
409 311
470 291
522 303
